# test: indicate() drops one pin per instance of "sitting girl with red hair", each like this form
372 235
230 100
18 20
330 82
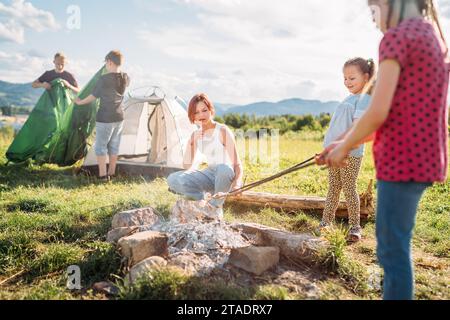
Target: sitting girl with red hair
217 144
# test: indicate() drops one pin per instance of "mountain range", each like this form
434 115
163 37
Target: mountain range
20 95
293 106
23 95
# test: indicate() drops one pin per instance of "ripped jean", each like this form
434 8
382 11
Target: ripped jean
195 184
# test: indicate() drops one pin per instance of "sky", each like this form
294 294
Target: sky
236 51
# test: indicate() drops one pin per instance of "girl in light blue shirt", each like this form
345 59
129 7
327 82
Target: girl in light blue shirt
358 78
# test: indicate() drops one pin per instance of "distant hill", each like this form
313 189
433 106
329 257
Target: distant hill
222 108
290 106
23 95
20 95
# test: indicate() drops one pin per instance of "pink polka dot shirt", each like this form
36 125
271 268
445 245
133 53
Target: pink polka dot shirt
412 145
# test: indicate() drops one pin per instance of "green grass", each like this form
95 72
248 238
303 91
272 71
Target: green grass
51 218
173 284
335 260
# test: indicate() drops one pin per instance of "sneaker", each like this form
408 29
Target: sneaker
355 234
104 178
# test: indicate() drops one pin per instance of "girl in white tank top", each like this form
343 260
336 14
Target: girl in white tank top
212 150
214 144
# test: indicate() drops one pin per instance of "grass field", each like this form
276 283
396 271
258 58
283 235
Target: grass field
51 218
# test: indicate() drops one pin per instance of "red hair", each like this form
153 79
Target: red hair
201 97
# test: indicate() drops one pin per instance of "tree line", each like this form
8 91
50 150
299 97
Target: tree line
284 123
9 111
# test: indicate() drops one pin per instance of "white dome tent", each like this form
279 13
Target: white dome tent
155 134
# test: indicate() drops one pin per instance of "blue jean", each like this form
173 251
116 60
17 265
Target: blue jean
396 217
194 184
107 138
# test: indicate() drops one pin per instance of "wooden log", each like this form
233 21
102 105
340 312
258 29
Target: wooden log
296 203
296 247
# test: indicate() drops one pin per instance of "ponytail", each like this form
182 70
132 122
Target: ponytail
372 77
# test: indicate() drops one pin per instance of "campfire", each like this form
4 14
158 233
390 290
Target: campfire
199 244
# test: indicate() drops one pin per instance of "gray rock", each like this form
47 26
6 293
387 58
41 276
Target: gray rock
118 233
138 217
145 267
186 211
140 246
255 260
297 247
192 264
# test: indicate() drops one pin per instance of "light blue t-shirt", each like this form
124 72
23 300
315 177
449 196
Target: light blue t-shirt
352 108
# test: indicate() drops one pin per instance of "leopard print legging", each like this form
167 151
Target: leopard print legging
343 178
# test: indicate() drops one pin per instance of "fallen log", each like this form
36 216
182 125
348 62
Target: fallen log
297 247
300 203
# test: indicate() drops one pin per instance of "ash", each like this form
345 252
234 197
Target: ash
200 246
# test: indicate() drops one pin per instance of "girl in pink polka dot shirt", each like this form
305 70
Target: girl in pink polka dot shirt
408 115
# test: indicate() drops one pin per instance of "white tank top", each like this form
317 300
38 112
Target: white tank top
212 149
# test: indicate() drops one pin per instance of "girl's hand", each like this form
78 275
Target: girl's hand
337 156
77 101
321 158
236 186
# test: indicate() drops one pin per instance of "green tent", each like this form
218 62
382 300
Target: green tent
57 130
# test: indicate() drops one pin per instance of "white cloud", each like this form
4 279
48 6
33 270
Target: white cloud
9 31
444 7
282 49
21 15
278 47
83 70
18 67
236 51
444 10
27 67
